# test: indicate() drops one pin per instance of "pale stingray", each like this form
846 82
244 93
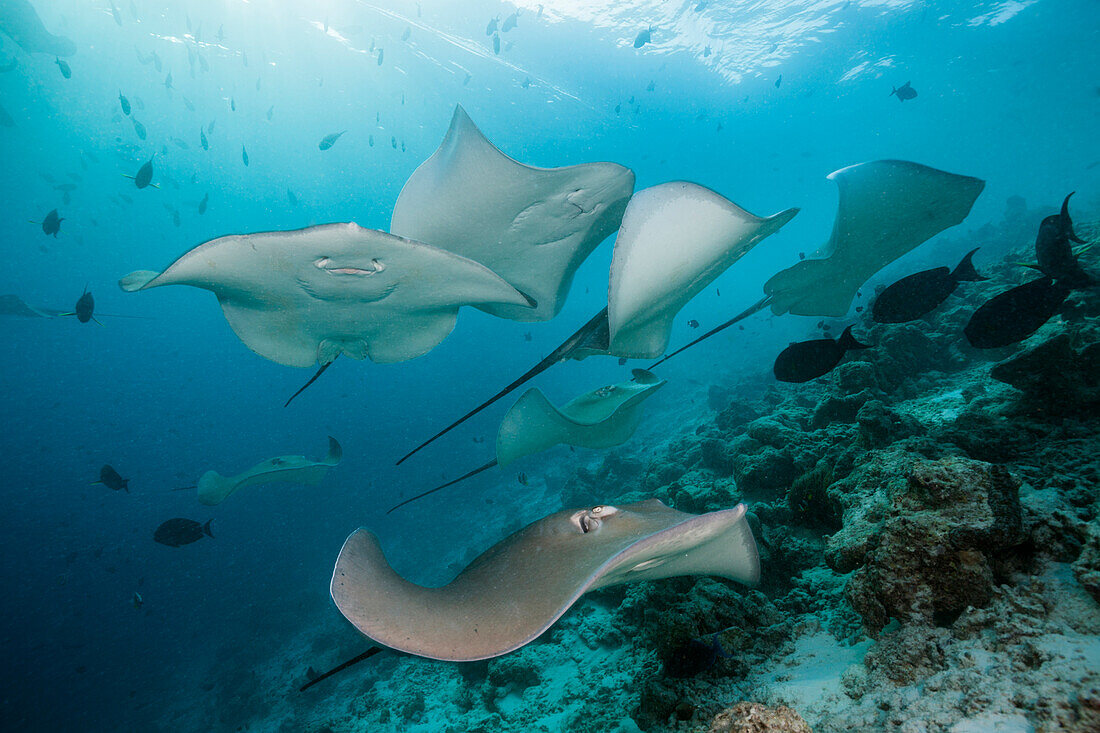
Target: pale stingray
886 208
602 418
517 589
307 296
532 226
20 21
675 239
214 488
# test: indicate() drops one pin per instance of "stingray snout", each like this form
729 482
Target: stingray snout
590 520
326 264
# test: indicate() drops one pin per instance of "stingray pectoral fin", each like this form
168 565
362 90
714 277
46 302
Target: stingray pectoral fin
532 425
283 340
137 280
460 622
214 488
335 452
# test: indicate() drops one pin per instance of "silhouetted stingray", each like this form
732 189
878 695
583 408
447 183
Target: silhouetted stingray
516 590
21 23
213 488
111 478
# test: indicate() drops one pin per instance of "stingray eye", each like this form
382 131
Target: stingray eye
378 266
597 509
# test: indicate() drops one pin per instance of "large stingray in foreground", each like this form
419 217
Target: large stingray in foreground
307 296
215 488
20 21
532 226
514 591
887 207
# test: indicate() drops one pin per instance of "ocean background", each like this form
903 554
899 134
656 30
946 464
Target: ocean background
1007 91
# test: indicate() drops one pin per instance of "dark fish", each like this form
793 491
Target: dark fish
52 224
903 92
370 140
618 108
125 104
651 86
145 173
622 360
778 81
496 44
491 28
210 127
168 81
693 323
232 104
179 532
644 37
523 480
393 142
1054 252
381 54
1015 314
139 129
188 104
203 141
270 112
693 657
244 155
258 83
137 600
806 360
407 33
329 140
526 83
110 478
291 198
913 296
510 22
203 203
527 336
65 70
84 310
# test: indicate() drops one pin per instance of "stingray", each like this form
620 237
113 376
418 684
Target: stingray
21 23
675 239
887 207
13 305
532 226
307 296
602 418
516 590
707 233
215 488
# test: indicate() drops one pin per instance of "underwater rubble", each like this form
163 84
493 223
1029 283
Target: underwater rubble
928 528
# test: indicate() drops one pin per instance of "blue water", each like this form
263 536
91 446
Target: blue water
1008 92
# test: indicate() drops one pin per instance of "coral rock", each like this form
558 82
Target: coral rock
752 717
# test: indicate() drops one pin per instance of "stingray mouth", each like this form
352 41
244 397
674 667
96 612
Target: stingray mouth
326 264
579 200
590 520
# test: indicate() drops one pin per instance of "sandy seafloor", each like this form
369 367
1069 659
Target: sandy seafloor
929 540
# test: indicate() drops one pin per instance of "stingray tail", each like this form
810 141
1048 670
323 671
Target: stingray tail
341 667
335 452
312 379
206 529
848 341
184 488
965 269
452 482
754 308
561 353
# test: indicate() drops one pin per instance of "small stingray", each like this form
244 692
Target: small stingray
214 488
21 23
329 140
513 592
602 418
806 360
1055 253
913 296
307 296
13 305
532 226
675 239
1015 314
887 207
